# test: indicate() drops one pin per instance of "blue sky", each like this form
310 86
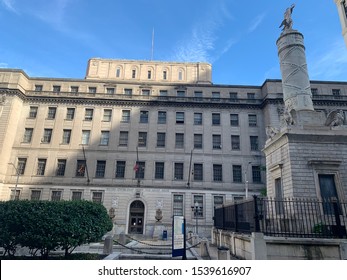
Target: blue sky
55 38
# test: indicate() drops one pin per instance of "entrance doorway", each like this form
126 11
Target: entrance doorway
136 217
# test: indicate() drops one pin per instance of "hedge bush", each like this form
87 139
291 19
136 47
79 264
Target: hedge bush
45 226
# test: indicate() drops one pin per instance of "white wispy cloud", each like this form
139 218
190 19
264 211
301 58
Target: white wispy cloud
256 22
3 65
9 5
331 64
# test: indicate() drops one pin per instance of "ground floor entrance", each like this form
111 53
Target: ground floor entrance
136 217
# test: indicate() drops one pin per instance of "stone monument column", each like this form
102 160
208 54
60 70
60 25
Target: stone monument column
297 94
295 80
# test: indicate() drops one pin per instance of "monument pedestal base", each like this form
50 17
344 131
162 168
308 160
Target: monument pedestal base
158 230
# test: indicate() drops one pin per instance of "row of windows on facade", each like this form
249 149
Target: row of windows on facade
142 139
147 92
139 170
144 116
98 196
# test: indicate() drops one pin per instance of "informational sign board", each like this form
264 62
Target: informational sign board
178 236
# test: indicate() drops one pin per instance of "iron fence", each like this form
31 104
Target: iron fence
289 217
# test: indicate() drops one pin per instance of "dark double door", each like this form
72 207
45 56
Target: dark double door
136 217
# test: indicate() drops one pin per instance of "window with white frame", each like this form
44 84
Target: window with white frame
76 195
216 141
161 117
97 196
178 172
88 115
143 116
125 116
217 173
123 138
215 119
256 174
105 138
56 195
177 205
61 166
197 118
21 164
35 195
235 142
142 141
85 137
252 120
28 134
66 136
107 115
237 173
120 169
33 112
197 141
70 113
41 166
179 117
179 140
100 169
161 138
234 119
254 143
198 173
51 113
159 170
47 135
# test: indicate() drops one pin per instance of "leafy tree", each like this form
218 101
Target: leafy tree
48 225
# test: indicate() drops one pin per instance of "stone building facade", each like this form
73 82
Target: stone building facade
342 11
139 136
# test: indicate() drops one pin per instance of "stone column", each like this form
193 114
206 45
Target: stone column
297 94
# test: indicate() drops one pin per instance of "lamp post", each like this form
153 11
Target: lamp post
15 188
196 209
246 179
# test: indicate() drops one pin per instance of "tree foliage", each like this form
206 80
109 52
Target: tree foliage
48 225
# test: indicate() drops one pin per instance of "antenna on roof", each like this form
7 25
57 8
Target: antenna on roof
152 44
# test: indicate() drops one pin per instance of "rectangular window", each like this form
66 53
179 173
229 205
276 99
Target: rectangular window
128 91
180 117
198 95
336 92
217 173
15 196
142 142
80 168
197 118
100 168
252 120
145 92
85 137
235 142
149 74
120 169
143 116
22 162
254 143
161 117
139 170
178 172
110 91
199 202
92 89
123 138
179 140
66 136
216 142
161 139
181 93
47 136
256 175
328 192
97 197
215 96
56 195
56 89
35 195
107 115
125 116
70 113
233 96
237 173
198 172
215 119
41 166
105 137
76 195
51 113
33 112
314 91
74 89
159 170
250 95
164 75
177 205
197 141
28 134
279 205
61 167
218 200
163 94
234 119
38 87
133 74
88 115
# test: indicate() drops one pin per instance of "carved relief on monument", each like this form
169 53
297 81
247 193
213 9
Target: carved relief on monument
3 101
335 118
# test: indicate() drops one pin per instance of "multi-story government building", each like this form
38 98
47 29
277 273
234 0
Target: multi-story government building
138 136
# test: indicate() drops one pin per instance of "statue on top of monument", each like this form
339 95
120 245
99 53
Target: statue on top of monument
287 22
